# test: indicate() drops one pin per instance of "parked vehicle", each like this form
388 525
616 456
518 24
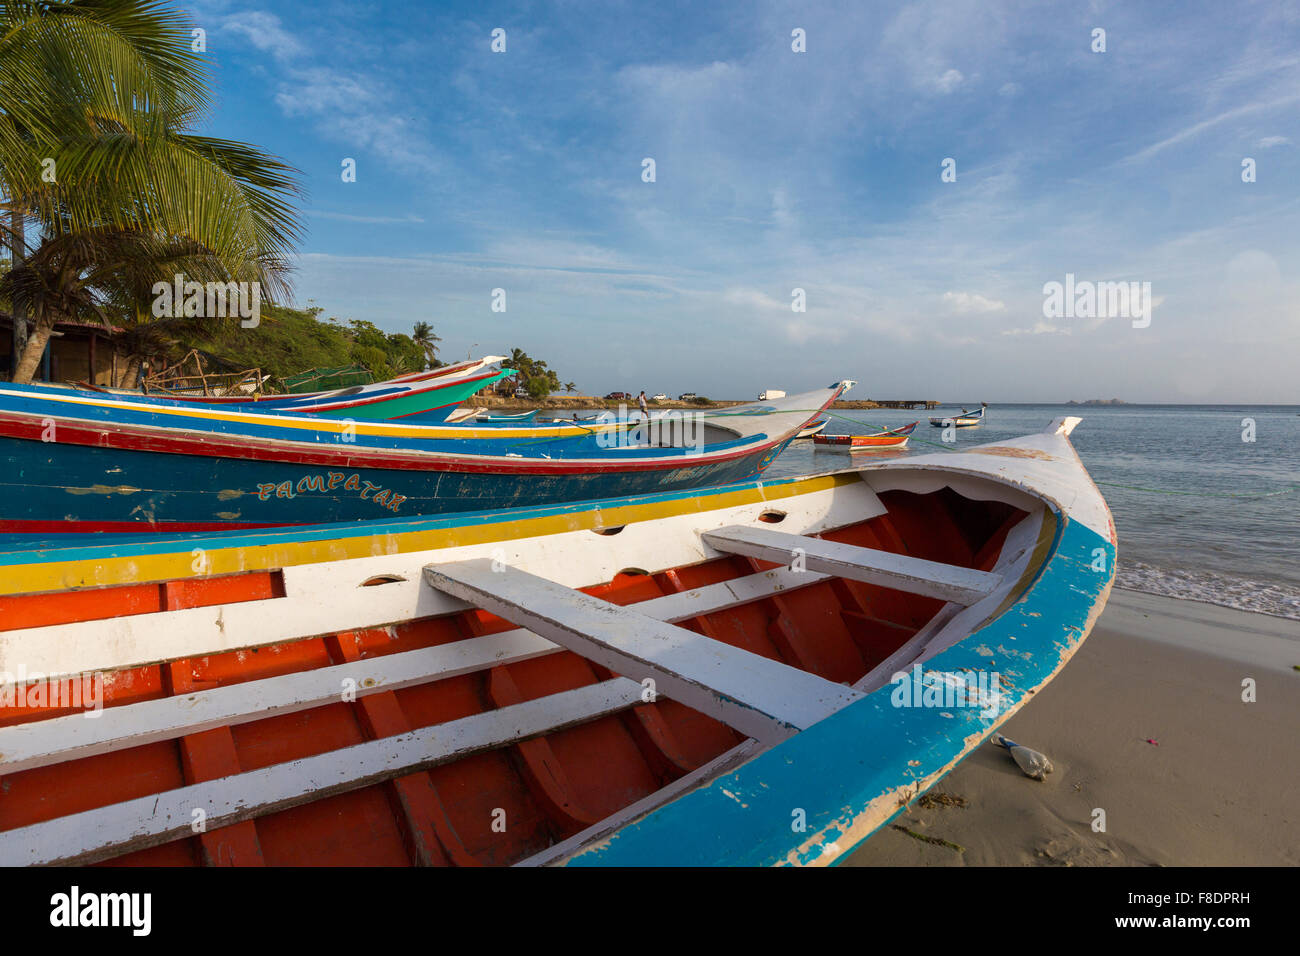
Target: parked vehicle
661 397
687 397
618 397
771 394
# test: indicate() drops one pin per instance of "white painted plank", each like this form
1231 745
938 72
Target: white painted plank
326 597
955 621
106 832
946 582
41 743
762 698
44 742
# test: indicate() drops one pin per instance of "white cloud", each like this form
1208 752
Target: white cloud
963 302
264 32
1213 121
348 217
1038 328
754 299
949 81
1270 141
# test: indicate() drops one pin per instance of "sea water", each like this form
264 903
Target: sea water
1206 498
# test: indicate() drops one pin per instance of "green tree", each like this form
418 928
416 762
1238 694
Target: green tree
428 342
98 103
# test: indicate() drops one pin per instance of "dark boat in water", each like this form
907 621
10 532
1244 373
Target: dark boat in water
967 419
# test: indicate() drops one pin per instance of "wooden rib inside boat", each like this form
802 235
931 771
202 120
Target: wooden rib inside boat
507 689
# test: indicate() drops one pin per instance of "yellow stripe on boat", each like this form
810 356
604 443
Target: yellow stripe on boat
352 542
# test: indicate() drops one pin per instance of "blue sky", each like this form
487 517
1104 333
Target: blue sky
778 170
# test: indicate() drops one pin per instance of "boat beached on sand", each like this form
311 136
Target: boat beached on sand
86 464
424 397
672 679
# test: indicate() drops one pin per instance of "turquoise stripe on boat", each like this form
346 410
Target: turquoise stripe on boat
128 545
855 763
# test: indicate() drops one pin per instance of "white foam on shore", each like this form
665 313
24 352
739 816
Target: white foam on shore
1258 597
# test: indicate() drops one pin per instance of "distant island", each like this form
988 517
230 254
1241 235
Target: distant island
1099 401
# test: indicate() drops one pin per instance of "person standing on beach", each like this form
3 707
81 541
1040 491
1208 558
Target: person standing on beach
640 400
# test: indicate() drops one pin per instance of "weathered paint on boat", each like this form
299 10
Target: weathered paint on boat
586 769
814 428
892 438
744 817
79 465
427 398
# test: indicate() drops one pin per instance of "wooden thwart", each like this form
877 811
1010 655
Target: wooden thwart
45 742
148 821
947 582
762 698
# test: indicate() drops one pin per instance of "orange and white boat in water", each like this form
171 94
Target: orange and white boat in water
892 438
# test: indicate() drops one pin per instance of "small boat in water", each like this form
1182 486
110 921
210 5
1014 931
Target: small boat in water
891 438
481 416
967 418
813 429
657 680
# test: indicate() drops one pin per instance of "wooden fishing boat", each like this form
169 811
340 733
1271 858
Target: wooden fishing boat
425 397
813 429
967 418
764 673
481 416
891 438
88 463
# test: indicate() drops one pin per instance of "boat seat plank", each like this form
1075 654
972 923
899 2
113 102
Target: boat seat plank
947 582
760 697
138 824
45 742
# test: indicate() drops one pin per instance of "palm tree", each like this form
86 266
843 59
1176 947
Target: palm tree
97 100
90 274
521 363
570 387
428 342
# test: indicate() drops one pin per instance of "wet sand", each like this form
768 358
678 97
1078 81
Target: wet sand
1221 785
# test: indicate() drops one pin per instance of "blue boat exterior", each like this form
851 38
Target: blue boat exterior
86 488
79 465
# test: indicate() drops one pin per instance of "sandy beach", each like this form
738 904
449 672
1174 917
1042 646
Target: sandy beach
1220 785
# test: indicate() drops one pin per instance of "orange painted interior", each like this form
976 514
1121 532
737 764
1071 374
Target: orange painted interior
549 788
